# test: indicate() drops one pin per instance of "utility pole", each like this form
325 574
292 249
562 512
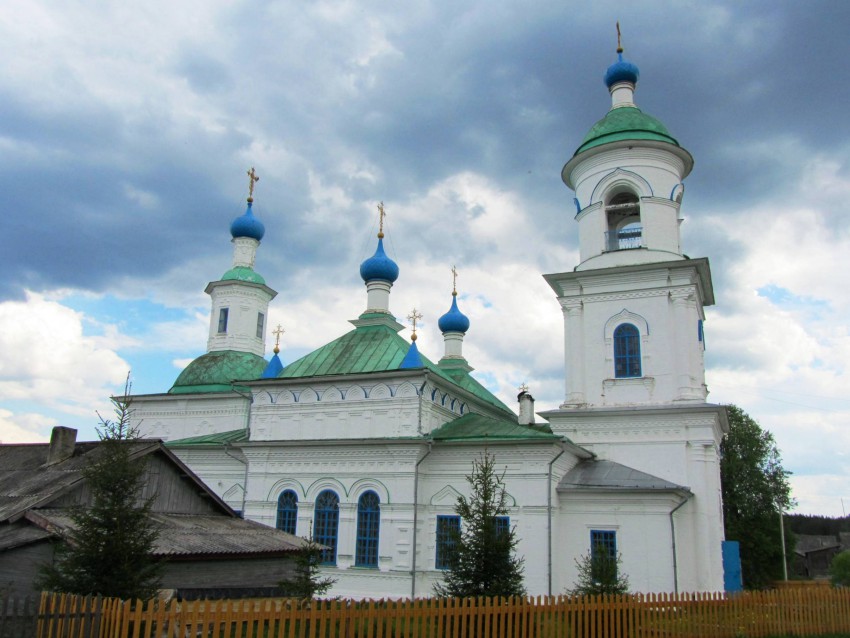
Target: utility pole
782 537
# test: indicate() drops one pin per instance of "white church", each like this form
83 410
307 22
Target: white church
367 443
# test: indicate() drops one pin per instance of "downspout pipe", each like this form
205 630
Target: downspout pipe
549 521
673 541
416 493
250 397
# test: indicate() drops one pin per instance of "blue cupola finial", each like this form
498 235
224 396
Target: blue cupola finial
622 70
379 266
454 320
247 225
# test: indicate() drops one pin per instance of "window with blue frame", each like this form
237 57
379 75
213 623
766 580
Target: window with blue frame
448 527
503 525
626 351
222 320
287 511
326 525
368 530
603 550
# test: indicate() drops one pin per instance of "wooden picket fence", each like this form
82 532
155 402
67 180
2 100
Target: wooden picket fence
800 612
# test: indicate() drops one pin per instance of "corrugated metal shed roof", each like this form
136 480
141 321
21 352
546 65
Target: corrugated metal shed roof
26 481
188 535
477 427
608 475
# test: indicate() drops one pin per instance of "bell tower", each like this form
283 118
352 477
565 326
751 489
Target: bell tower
633 307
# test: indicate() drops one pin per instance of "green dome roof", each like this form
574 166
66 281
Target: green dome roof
243 273
214 372
625 123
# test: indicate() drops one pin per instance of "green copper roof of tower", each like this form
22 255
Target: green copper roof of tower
377 348
625 123
216 372
243 273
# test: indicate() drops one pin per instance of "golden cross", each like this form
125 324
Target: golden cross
381 215
277 332
619 45
454 281
414 317
523 388
252 179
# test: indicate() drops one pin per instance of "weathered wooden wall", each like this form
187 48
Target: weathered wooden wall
173 492
19 567
257 572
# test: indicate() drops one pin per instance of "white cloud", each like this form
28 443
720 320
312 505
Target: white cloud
48 360
24 428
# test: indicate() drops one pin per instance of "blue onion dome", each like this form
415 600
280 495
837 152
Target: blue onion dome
621 71
247 225
379 266
454 320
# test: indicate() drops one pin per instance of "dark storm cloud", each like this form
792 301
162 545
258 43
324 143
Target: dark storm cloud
505 92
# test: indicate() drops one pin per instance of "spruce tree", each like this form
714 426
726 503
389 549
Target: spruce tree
483 561
599 573
108 549
306 582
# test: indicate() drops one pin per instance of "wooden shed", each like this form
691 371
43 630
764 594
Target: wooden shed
206 546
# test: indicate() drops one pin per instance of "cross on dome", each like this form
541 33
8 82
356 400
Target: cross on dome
253 178
413 317
277 332
454 281
381 214
524 386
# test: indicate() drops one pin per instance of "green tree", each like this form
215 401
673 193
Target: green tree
306 581
755 488
839 569
108 549
599 572
483 561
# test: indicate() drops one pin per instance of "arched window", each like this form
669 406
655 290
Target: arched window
626 351
326 525
368 529
287 511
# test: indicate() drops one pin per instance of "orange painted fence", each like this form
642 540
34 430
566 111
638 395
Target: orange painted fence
804 612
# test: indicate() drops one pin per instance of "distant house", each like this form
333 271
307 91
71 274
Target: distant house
205 544
813 553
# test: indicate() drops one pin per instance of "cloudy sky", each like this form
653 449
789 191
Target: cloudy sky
126 130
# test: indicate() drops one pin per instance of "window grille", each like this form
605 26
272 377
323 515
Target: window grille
448 527
326 525
368 530
287 511
627 351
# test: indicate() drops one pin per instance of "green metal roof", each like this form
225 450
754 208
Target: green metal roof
471 384
215 372
243 273
626 123
375 348
222 438
480 428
